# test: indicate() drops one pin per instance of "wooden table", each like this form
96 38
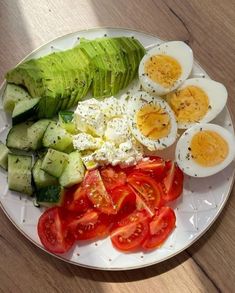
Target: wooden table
209 264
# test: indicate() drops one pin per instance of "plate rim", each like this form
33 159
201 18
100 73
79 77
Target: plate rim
3 84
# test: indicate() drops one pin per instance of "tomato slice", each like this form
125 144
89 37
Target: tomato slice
53 232
91 224
130 232
97 192
152 165
76 199
147 188
113 177
160 227
124 199
173 182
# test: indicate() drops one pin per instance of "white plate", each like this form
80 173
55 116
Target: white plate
201 203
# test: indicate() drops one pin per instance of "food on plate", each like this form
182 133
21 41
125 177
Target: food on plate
197 100
152 121
92 166
106 65
130 205
165 67
205 149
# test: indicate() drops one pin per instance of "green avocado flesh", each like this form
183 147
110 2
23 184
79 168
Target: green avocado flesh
104 65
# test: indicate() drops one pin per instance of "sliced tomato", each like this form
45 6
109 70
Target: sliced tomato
173 182
97 192
113 177
76 199
152 165
53 232
130 232
91 224
160 227
124 199
147 188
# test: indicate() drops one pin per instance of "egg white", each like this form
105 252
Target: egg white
176 49
190 166
217 95
135 103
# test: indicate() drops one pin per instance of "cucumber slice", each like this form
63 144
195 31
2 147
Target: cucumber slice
41 178
74 171
54 162
17 137
12 95
50 196
57 137
24 109
19 173
66 121
3 155
36 132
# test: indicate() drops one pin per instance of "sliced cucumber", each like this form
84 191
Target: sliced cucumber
17 137
50 196
36 132
19 173
54 162
24 110
66 121
74 171
3 155
41 178
56 137
12 95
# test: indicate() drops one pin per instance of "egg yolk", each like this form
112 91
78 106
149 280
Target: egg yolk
163 69
208 148
189 104
153 122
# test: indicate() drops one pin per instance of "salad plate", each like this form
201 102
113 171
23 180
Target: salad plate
199 206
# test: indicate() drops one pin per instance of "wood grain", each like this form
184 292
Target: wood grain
209 27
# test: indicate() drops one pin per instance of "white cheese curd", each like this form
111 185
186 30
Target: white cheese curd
111 107
89 117
117 130
105 137
84 141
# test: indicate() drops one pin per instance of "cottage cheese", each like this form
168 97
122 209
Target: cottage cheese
106 137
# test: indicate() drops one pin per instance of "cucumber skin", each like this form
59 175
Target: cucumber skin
4 151
50 196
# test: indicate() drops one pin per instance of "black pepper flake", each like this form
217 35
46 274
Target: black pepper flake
209 107
200 128
189 149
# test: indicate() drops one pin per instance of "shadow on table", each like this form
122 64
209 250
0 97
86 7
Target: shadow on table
13 35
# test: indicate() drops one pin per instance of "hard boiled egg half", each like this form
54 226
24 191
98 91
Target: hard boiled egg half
197 100
165 67
205 149
151 120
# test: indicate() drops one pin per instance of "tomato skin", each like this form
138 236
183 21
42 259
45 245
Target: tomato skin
97 193
160 227
89 225
147 188
76 199
130 232
53 232
173 182
112 177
